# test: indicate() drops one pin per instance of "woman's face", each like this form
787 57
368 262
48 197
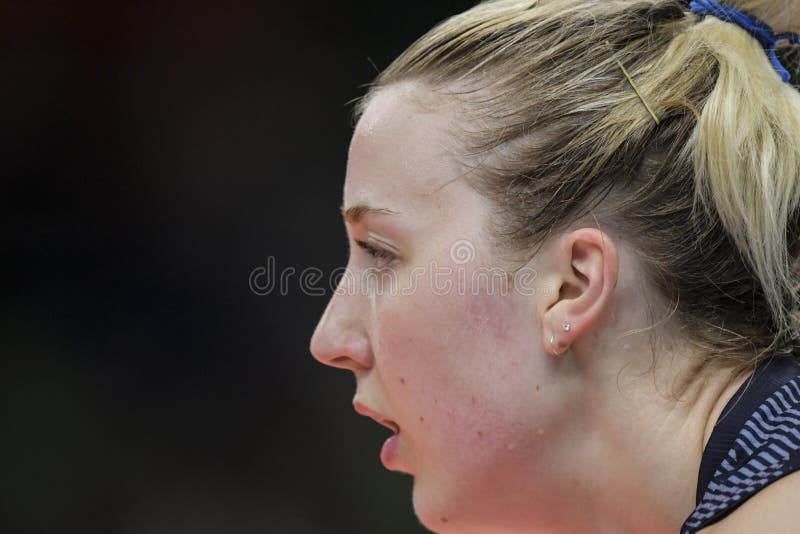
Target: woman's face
459 367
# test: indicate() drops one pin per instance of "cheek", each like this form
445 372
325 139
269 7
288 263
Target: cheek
470 399
458 368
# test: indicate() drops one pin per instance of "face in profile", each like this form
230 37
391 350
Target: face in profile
454 361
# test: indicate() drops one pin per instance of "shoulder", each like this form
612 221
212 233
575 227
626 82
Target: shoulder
774 509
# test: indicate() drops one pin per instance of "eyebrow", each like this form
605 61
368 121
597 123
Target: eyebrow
355 213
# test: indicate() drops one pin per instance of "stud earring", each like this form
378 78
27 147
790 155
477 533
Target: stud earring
566 327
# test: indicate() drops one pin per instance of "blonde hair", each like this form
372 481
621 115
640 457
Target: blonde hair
708 194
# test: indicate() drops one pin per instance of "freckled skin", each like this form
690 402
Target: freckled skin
465 367
473 351
456 372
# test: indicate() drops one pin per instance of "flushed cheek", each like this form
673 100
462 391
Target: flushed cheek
454 369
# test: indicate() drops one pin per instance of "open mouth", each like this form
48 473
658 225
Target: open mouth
391 425
368 412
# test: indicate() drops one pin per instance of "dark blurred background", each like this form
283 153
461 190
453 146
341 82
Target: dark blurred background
152 156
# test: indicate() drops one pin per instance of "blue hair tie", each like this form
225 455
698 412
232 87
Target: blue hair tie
757 28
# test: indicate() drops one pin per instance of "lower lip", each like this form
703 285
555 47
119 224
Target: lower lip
389 451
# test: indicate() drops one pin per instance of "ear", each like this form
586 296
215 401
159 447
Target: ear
583 264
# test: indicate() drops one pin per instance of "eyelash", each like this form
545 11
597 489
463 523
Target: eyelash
374 252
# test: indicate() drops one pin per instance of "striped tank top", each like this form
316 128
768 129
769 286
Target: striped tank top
756 442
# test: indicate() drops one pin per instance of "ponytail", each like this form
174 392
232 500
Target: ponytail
747 154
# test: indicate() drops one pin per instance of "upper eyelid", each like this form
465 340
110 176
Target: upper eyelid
374 240
369 247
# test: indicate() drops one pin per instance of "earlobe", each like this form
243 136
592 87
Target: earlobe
557 348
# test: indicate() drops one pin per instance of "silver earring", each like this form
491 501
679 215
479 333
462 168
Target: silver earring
566 327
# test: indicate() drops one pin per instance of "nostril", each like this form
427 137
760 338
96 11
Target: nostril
345 350
340 361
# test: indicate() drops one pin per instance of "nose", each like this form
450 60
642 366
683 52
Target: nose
340 338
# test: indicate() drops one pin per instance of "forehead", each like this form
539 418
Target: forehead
402 153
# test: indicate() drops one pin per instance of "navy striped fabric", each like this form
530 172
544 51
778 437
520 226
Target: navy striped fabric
756 442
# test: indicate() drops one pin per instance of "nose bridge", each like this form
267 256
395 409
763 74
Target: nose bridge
340 338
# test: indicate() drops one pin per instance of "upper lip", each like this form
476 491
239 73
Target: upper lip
368 412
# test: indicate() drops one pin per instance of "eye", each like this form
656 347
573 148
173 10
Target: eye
375 252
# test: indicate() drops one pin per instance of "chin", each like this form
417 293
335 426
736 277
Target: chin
436 510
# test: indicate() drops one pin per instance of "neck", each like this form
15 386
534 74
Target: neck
648 445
